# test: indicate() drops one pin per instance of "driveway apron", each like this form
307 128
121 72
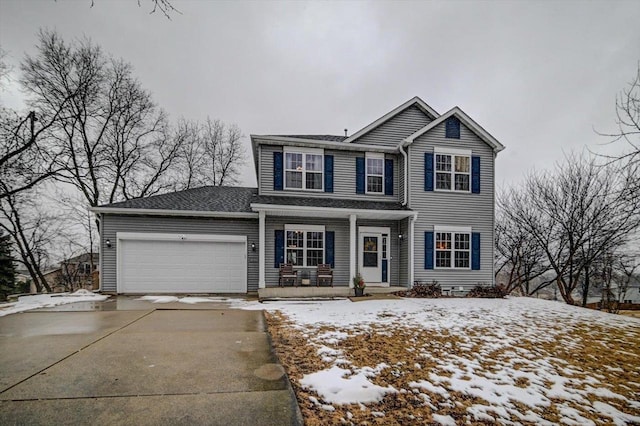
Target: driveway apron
143 366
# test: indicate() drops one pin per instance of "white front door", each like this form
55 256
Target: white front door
374 256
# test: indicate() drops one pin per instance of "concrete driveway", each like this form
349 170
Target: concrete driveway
133 362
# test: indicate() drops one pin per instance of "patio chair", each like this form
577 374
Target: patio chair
287 274
324 274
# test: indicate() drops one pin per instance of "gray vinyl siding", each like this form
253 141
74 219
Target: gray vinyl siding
404 254
391 132
453 209
344 177
341 253
112 224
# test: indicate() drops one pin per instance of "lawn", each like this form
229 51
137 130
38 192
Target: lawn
455 361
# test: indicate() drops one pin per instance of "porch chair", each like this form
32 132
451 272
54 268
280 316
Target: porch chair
287 274
324 274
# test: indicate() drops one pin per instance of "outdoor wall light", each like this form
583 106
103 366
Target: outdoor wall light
108 243
253 246
400 237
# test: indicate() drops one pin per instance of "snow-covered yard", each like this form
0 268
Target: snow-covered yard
458 361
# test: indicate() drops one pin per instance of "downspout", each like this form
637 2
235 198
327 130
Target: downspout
406 173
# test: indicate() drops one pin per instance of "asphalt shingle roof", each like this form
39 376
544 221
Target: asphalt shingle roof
328 202
332 138
207 198
231 199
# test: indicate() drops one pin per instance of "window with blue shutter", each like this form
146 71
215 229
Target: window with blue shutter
428 171
360 176
475 174
428 250
475 251
388 177
328 173
277 171
330 248
452 129
279 247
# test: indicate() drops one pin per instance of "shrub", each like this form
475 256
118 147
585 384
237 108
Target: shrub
419 289
489 292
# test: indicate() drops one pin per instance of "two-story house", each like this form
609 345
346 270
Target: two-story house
410 197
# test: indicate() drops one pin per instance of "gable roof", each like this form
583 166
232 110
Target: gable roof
225 200
422 105
467 121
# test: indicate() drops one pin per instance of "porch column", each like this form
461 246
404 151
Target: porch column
412 222
352 248
261 249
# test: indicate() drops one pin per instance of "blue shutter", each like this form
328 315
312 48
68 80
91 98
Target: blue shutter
388 177
277 171
359 175
428 171
475 175
330 248
279 249
452 129
428 250
475 251
328 173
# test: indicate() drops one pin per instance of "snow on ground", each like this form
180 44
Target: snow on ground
513 357
27 303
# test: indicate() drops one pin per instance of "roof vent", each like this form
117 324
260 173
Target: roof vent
345 132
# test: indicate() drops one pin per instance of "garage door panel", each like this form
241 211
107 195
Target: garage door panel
182 266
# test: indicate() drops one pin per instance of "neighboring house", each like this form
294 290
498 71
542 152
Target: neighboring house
78 272
410 197
631 292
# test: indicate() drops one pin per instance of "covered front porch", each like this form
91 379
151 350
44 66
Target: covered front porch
376 243
306 292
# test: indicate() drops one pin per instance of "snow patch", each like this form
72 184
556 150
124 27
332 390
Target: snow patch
27 303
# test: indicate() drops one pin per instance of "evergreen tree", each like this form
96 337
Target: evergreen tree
7 267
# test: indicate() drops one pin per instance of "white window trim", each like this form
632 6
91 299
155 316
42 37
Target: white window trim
452 230
305 229
373 156
452 152
303 152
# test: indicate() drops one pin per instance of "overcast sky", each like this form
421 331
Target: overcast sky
539 76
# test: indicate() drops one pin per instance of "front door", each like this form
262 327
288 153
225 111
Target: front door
374 254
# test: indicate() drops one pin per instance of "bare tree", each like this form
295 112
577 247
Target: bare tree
32 230
163 6
212 152
113 140
615 272
519 258
628 121
575 214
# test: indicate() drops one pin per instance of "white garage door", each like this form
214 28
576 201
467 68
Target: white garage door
181 263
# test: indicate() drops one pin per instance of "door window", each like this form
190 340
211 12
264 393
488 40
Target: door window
370 252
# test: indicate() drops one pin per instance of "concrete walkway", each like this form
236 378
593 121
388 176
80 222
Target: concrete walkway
142 365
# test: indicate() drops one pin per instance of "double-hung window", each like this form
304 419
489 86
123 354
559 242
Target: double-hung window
304 245
453 248
304 169
453 171
375 173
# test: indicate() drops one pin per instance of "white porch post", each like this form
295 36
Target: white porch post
412 222
352 248
261 249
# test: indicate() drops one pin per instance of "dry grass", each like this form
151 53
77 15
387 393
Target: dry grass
611 355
